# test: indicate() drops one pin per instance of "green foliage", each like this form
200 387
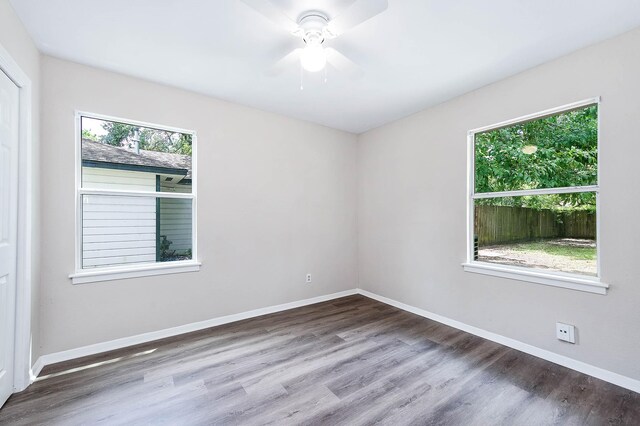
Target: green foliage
119 134
165 141
86 134
185 144
565 154
165 252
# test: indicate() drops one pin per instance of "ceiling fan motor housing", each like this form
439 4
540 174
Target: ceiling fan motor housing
313 25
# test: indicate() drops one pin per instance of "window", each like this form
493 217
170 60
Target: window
136 195
533 198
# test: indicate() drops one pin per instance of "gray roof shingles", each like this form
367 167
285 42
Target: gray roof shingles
100 152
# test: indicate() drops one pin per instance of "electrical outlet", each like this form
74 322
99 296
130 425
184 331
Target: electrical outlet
565 332
308 278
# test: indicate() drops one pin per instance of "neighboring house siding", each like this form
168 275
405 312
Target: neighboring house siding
118 230
105 178
122 230
175 218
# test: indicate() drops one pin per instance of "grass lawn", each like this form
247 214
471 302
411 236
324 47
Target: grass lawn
572 251
560 254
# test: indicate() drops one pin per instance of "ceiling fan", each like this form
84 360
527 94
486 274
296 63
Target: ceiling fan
314 28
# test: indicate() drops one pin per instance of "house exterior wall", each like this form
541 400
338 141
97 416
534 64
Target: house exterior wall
109 239
118 230
176 218
176 223
104 178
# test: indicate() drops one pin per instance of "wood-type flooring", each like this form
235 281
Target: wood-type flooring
349 361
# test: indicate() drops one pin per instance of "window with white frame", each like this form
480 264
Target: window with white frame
136 193
533 196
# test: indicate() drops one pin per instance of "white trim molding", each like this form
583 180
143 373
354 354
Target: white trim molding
121 273
544 191
582 367
541 114
36 369
22 349
556 279
182 329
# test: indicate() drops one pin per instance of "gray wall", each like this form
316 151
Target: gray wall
15 40
411 249
277 199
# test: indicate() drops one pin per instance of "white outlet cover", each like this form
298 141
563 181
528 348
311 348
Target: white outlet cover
565 332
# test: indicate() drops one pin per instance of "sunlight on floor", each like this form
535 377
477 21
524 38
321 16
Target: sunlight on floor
97 364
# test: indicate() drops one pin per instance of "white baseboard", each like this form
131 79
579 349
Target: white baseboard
97 348
600 373
36 369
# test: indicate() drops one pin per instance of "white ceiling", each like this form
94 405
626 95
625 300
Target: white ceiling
416 54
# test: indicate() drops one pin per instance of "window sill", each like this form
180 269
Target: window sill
109 274
573 282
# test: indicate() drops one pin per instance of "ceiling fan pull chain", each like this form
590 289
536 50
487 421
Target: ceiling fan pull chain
324 78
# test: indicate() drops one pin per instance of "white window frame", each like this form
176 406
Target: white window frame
551 278
82 276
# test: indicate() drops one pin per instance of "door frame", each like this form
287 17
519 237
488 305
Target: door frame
23 362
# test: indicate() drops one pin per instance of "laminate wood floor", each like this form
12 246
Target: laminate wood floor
348 361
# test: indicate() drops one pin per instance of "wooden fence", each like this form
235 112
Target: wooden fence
579 225
500 224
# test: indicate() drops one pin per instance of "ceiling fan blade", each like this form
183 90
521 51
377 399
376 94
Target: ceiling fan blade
288 62
359 12
273 13
343 64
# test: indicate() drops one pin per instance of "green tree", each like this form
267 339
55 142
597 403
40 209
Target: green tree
117 133
165 141
155 140
86 134
185 144
552 152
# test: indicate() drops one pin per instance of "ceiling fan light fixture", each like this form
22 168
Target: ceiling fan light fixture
315 26
313 57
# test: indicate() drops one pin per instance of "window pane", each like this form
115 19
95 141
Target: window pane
551 152
175 239
121 156
552 232
119 230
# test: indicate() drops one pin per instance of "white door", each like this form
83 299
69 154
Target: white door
9 94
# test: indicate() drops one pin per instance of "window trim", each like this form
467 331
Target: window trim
82 276
552 278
